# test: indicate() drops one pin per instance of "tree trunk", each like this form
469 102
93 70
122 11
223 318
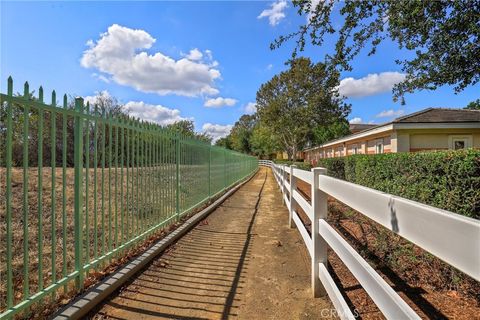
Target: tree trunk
289 154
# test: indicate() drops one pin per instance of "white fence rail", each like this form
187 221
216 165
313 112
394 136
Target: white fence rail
451 237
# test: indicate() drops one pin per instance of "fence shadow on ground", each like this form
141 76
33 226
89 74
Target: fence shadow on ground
203 276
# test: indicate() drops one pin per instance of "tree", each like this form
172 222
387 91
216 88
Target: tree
297 100
474 105
241 133
225 142
443 36
187 129
105 104
322 134
262 141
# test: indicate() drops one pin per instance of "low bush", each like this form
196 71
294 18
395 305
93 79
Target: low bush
448 180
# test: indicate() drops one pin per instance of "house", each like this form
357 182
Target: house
425 130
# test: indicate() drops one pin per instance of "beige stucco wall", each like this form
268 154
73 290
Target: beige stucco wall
403 142
428 141
476 140
434 139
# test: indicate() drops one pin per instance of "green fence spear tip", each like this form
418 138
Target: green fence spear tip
40 94
65 100
54 98
10 79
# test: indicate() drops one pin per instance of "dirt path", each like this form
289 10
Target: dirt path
241 262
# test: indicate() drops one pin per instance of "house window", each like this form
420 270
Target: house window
379 147
355 150
460 142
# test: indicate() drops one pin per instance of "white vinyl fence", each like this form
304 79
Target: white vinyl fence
451 237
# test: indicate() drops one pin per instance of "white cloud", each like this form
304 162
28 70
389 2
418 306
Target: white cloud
209 55
216 131
100 77
194 55
219 102
99 96
121 53
251 107
355 120
390 113
270 66
370 85
154 113
276 13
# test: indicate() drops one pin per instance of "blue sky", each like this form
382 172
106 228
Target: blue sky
184 60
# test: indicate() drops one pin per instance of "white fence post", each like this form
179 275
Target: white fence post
293 186
284 173
319 250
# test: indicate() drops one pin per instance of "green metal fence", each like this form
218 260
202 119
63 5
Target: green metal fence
80 186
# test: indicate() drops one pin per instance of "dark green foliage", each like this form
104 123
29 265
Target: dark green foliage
322 134
335 167
187 129
241 133
441 36
474 105
225 142
448 180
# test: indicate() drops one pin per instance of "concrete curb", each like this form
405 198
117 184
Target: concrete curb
79 307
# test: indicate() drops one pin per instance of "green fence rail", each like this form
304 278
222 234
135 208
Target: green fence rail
80 186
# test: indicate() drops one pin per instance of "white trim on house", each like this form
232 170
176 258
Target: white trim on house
398 126
438 125
467 139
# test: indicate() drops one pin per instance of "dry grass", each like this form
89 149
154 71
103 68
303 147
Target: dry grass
153 203
152 206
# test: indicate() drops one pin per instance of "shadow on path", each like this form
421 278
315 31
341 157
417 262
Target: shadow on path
202 277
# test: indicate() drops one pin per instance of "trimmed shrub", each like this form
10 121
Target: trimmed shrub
335 166
448 180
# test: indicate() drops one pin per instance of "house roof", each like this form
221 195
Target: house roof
435 115
429 115
357 127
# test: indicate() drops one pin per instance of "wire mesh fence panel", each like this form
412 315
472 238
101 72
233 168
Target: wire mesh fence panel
81 185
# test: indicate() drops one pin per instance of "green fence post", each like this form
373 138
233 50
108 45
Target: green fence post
209 172
9 198
53 137
78 168
177 175
40 190
224 169
64 192
26 112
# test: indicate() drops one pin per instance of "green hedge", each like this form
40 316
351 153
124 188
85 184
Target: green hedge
448 180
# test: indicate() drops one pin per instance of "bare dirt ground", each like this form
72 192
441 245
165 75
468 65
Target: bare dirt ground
241 262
